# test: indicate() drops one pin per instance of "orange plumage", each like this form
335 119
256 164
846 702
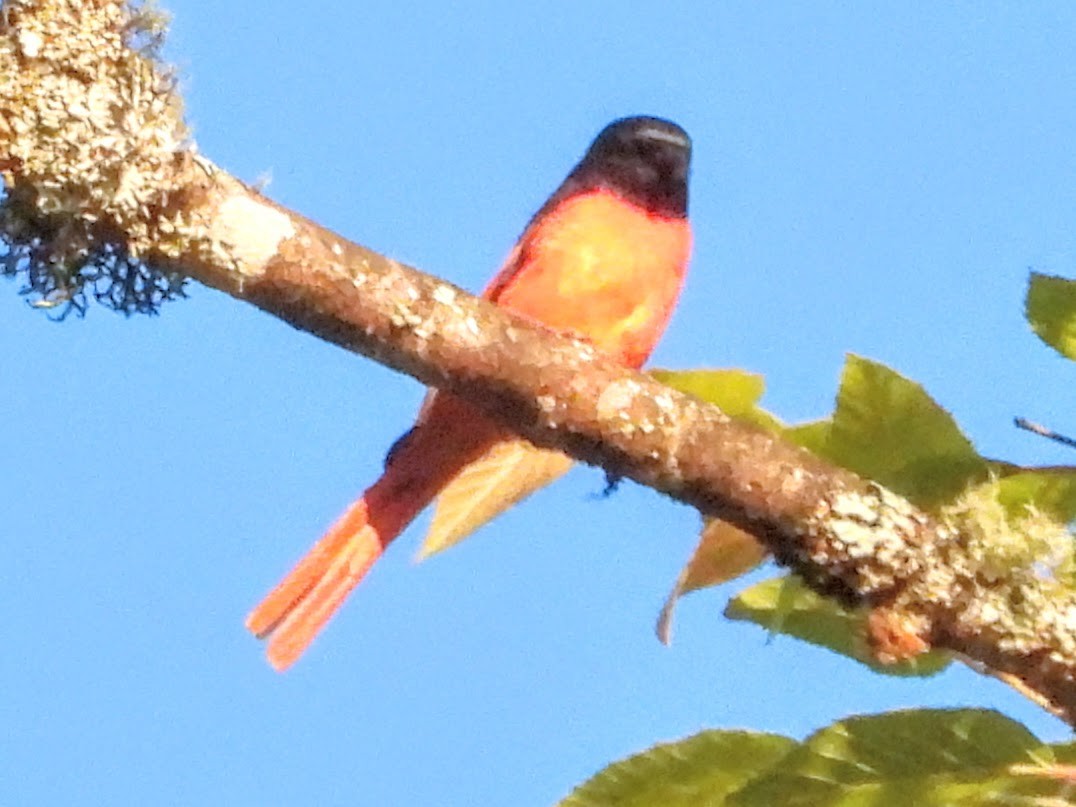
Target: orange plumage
603 259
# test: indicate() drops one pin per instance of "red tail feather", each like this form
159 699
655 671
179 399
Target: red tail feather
298 608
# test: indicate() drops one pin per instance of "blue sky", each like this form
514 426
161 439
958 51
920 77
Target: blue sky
866 179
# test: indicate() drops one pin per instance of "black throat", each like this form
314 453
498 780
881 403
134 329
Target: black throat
641 159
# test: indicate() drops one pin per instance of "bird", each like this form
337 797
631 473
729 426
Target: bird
604 259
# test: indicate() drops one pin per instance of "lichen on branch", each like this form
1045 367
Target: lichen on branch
91 130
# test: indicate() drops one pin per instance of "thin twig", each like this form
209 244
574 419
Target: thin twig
1042 431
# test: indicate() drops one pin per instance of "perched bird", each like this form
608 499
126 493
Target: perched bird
604 259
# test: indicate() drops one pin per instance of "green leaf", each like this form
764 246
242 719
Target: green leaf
724 552
927 758
734 392
1051 310
700 770
814 436
923 757
1064 753
1050 490
786 605
887 428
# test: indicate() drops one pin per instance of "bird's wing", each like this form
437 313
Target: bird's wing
508 472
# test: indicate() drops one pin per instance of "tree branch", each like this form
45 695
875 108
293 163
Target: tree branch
96 162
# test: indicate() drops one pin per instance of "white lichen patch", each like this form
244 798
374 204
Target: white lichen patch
854 508
453 319
250 232
444 294
29 43
1024 618
616 398
937 583
873 523
403 316
617 403
877 530
665 404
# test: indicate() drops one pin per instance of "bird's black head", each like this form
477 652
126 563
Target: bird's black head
643 159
